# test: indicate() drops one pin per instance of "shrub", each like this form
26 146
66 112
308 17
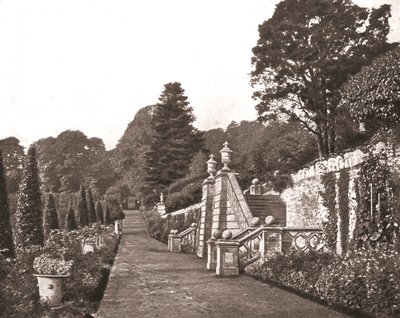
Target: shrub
365 281
178 200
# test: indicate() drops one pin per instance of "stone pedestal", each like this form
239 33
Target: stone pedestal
206 209
161 208
227 258
174 243
211 255
271 243
118 227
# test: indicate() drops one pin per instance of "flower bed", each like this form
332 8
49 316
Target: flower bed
364 281
84 287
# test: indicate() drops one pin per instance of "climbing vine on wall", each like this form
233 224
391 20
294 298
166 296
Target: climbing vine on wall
343 198
329 201
377 220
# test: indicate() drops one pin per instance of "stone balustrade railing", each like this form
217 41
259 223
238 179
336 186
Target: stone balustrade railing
186 210
184 241
238 203
348 160
230 255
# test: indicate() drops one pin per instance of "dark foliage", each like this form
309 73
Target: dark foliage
70 222
91 207
50 217
6 239
83 208
99 213
29 215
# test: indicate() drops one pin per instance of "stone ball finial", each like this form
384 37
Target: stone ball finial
216 234
255 221
269 219
255 181
193 225
226 235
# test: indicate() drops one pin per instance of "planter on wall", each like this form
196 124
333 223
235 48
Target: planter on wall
51 288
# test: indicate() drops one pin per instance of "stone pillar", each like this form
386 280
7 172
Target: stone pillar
220 209
227 258
174 243
211 254
270 243
256 187
206 211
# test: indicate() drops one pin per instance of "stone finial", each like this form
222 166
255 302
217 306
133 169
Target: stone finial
255 181
211 165
226 155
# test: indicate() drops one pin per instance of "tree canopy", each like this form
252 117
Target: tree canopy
174 142
67 159
304 54
373 94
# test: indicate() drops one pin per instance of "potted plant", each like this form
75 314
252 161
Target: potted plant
51 271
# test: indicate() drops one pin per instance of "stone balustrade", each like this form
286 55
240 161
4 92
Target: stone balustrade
229 254
184 241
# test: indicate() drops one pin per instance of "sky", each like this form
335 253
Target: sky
91 65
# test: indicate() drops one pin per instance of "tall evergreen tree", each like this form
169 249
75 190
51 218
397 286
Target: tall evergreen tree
99 213
107 217
83 208
50 218
29 215
91 207
6 240
70 222
175 140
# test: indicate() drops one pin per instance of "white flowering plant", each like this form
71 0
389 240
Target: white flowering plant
47 264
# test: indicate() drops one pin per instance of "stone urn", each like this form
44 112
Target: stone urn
88 246
51 288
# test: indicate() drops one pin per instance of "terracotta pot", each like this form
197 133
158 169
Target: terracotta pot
51 288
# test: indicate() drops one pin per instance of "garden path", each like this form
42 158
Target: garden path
148 281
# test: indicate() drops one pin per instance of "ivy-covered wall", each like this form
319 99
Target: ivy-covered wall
329 195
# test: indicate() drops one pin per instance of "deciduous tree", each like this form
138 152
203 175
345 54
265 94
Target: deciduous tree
304 54
373 94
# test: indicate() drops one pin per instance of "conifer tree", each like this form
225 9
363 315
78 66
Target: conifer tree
29 215
91 207
175 140
83 208
99 213
6 239
70 222
50 218
107 217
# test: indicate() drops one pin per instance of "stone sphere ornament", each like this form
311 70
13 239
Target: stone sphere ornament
226 235
255 221
216 234
269 220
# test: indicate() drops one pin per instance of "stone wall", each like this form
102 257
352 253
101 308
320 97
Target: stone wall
304 205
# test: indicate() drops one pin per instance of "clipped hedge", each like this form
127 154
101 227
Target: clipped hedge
159 227
365 281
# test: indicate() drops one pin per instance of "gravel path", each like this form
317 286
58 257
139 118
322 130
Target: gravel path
149 281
